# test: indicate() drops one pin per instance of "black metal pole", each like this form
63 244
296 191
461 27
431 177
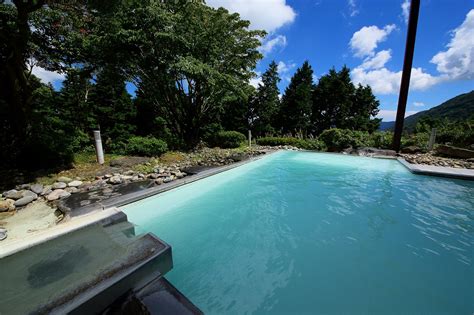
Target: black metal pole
407 64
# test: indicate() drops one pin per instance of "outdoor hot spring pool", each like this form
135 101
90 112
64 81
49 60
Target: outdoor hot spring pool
302 232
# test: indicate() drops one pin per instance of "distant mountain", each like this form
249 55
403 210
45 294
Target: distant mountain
458 108
386 125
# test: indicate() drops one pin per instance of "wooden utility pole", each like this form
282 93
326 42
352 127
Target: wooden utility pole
407 64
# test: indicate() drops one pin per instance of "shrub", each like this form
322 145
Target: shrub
382 139
145 146
340 139
306 144
419 139
227 139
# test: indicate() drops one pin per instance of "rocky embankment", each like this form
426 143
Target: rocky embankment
430 159
122 171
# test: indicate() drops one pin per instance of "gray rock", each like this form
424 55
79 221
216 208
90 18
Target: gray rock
411 149
29 193
3 234
23 186
37 188
64 179
24 201
54 195
13 194
64 194
72 190
115 180
153 175
59 185
46 190
75 183
159 181
7 205
167 180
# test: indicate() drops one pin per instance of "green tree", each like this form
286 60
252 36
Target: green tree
295 112
266 102
337 103
189 60
112 107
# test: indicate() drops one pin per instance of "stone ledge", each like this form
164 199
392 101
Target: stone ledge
440 171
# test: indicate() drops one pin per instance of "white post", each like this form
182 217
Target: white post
250 138
432 139
98 147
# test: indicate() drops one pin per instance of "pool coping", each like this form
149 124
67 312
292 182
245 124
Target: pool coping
439 171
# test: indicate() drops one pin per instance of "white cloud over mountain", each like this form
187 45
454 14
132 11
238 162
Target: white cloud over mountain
455 63
390 115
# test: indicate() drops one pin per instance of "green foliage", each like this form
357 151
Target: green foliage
295 112
112 107
420 140
337 103
145 146
306 144
266 102
340 139
228 139
456 109
382 139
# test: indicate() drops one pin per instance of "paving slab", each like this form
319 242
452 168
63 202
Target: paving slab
431 170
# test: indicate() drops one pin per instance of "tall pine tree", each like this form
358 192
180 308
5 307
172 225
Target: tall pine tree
266 102
113 109
296 105
338 103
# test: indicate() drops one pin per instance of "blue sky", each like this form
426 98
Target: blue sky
369 37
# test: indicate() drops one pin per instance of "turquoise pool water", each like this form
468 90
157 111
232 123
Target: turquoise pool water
309 233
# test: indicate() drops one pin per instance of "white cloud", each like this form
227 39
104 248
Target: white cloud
270 44
353 10
284 70
406 10
457 62
365 41
418 104
47 76
257 80
268 15
377 61
384 81
391 115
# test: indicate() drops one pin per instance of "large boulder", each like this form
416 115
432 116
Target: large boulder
59 185
37 188
412 149
7 205
454 152
24 201
75 183
13 194
129 161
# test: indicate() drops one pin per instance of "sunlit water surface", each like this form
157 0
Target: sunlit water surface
309 233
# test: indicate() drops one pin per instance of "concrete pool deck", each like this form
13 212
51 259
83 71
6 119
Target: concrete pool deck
440 171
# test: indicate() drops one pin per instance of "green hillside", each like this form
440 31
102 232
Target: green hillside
458 108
